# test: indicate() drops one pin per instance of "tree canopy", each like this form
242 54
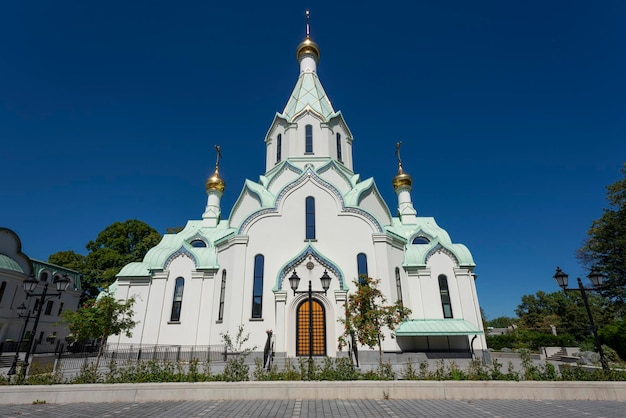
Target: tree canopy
117 245
605 246
367 314
564 311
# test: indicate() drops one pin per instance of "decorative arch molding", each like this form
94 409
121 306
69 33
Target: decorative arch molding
338 168
309 174
440 248
181 251
284 166
309 251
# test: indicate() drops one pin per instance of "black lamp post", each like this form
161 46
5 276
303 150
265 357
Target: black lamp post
596 280
22 312
294 282
30 285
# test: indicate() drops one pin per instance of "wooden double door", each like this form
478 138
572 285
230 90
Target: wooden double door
311 329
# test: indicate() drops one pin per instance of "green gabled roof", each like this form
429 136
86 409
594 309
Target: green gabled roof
173 245
308 93
436 327
7 263
416 255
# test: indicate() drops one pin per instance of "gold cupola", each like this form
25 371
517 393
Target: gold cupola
308 47
402 179
215 182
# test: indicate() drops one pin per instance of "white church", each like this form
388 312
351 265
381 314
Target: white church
311 216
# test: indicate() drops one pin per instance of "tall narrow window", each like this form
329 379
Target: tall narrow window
60 309
445 296
279 147
398 285
3 287
339 146
308 141
361 263
310 217
220 313
257 287
177 302
49 308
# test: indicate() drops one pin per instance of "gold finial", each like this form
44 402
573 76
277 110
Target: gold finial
308 46
401 179
218 157
215 182
308 19
398 145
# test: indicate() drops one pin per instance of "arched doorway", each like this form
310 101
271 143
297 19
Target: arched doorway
318 330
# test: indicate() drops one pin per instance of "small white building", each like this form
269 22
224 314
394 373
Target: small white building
309 213
15 268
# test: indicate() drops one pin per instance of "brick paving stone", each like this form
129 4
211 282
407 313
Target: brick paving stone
325 408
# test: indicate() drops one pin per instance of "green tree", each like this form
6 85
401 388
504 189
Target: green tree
501 322
68 259
117 245
605 246
367 314
99 319
565 311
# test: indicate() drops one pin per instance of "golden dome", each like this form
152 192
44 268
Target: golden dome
215 182
402 179
308 47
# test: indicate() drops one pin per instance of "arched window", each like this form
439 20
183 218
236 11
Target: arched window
43 276
445 296
398 285
308 139
310 217
420 240
220 313
198 243
257 287
177 302
339 146
279 147
361 264
3 287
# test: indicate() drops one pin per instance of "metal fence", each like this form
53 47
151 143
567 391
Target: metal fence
124 354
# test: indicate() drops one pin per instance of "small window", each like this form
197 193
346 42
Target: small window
308 142
257 287
310 217
445 296
60 309
49 308
3 287
198 243
361 262
420 240
398 285
220 313
177 302
339 146
43 276
279 147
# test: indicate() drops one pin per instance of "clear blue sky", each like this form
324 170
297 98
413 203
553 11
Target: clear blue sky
511 113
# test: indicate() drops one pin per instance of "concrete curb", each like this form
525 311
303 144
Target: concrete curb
440 390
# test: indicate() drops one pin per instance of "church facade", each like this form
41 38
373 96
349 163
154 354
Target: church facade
311 216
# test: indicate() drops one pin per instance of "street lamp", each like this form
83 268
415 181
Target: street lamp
22 312
596 280
294 282
30 284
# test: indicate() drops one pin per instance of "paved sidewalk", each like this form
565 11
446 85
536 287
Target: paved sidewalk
327 408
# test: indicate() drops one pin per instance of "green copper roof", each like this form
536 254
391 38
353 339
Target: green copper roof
436 327
308 93
7 263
